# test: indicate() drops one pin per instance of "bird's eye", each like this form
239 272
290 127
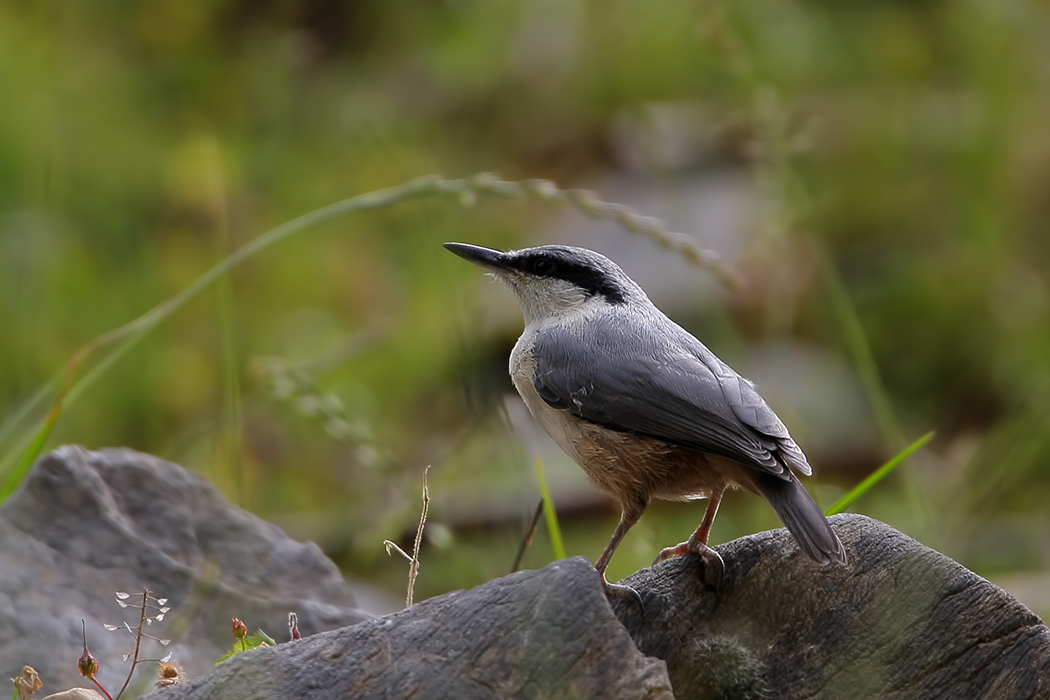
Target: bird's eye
543 266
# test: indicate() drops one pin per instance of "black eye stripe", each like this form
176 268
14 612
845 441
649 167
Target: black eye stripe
588 278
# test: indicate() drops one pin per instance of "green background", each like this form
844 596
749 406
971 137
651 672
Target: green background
896 160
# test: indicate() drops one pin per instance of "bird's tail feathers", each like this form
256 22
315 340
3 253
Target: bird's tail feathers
802 517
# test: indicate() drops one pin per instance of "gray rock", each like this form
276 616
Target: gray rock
86 524
534 634
900 621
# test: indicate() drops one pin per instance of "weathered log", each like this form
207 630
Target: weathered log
899 621
534 634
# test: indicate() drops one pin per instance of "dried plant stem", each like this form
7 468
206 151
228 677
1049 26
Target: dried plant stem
391 546
138 642
526 541
17 460
413 567
587 203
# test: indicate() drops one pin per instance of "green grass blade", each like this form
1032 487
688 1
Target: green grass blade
14 478
548 510
232 436
878 475
25 452
28 406
859 348
22 445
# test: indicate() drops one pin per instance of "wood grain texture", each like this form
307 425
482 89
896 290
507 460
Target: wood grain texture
900 621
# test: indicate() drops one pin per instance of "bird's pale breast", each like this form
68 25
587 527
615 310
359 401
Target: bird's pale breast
624 465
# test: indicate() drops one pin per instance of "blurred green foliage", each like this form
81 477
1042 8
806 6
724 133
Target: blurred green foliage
142 142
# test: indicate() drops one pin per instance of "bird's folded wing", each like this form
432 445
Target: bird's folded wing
683 397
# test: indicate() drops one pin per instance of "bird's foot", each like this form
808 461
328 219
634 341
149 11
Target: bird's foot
714 567
619 590
668 552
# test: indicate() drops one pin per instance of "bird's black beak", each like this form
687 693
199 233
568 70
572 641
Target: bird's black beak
485 257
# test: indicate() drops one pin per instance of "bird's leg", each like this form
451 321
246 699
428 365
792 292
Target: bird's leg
699 538
697 542
631 512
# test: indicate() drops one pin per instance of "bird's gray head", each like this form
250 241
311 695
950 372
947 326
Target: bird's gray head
555 280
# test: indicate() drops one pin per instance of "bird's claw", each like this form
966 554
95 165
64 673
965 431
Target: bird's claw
619 590
714 567
668 552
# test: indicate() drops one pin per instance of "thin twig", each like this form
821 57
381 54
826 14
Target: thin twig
392 546
413 569
138 642
526 541
588 203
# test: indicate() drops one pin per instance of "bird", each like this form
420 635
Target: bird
643 406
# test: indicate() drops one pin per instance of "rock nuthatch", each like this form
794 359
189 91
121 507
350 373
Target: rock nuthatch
643 406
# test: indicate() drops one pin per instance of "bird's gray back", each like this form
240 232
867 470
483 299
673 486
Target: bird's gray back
635 370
